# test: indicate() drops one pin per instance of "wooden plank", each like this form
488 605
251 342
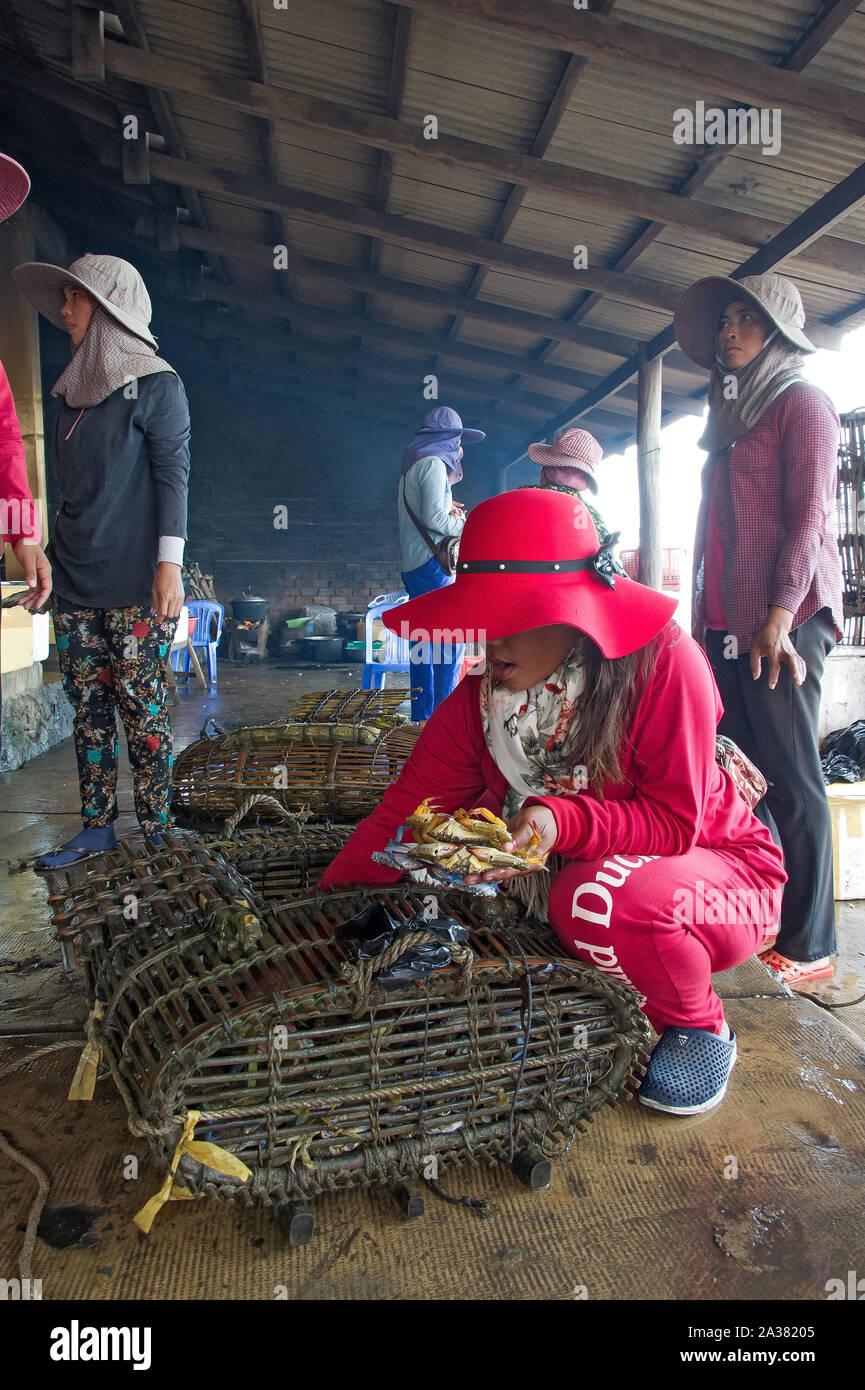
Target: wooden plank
822 28
417 235
87 44
388 287
387 133
312 317
136 159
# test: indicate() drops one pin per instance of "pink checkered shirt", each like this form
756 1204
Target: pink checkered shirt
774 493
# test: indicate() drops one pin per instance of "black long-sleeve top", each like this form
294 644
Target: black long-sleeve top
122 469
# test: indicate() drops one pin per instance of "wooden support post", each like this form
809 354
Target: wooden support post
409 1194
649 468
136 159
168 230
296 1220
87 44
532 1169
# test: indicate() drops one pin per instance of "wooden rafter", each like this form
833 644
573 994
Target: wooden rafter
847 194
128 13
384 132
416 235
701 68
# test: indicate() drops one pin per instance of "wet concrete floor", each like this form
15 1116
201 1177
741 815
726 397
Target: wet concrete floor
760 1199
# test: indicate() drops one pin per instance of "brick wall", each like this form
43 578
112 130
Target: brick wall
335 474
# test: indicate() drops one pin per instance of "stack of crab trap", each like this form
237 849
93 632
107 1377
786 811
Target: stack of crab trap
332 758
272 1042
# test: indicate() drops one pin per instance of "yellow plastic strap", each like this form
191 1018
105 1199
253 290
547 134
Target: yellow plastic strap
84 1080
210 1155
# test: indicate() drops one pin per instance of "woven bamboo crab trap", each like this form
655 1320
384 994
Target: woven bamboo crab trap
212 1002
277 863
333 757
851 523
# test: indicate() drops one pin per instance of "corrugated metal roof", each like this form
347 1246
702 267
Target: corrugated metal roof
488 86
764 31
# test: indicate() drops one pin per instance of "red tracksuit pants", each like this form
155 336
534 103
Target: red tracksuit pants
665 924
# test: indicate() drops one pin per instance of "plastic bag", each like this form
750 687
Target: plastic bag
837 767
849 742
374 930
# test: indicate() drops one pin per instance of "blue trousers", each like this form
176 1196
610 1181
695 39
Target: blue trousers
435 667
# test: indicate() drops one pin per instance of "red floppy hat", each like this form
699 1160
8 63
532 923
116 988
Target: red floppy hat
529 558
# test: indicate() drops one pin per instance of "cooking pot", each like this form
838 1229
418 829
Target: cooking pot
322 649
248 608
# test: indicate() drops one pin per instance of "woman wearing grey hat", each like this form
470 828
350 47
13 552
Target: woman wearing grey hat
767 575
121 459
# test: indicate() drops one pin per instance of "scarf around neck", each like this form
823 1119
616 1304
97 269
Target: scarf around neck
108 356
530 733
777 365
440 444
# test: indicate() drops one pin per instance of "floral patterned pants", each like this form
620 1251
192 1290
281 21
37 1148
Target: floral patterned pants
113 660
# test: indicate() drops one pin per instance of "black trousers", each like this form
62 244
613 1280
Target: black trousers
778 731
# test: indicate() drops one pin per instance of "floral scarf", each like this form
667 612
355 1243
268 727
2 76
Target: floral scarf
531 733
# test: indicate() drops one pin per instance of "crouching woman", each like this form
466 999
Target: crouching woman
594 726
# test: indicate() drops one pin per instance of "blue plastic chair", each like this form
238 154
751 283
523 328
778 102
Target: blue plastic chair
205 610
394 656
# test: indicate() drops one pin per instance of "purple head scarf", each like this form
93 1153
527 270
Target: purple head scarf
440 437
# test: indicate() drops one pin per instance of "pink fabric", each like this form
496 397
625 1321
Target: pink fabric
17 508
675 797
775 493
663 925
713 565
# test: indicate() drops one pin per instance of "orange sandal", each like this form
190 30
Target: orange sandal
795 972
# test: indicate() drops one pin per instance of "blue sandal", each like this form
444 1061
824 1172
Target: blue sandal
688 1071
73 851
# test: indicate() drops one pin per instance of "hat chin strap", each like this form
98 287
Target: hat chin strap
603 563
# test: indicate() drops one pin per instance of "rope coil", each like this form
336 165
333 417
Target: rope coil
360 974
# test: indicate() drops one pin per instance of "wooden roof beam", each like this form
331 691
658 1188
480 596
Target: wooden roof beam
418 236
822 28
600 190
388 287
801 230
697 67
128 14
397 78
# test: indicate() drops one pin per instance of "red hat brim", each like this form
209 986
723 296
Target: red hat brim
490 606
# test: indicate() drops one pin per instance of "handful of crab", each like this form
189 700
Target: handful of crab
467 842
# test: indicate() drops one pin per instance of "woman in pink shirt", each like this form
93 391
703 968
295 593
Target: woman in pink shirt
593 726
20 522
768 595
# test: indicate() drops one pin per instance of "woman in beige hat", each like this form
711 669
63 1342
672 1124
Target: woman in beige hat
767 575
569 465
121 459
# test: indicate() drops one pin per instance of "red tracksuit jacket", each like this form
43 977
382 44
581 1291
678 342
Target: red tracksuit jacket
675 795
19 514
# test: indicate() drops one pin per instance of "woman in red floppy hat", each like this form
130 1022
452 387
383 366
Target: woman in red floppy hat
594 725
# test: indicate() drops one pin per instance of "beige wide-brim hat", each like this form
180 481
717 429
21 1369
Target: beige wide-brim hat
701 306
113 283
